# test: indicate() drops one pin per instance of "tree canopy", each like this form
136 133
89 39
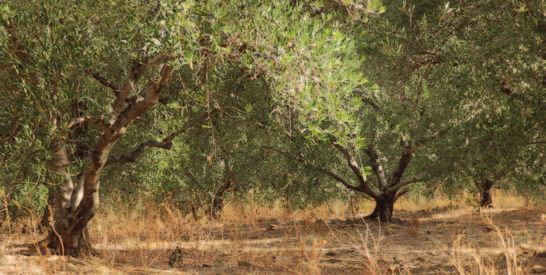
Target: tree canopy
299 98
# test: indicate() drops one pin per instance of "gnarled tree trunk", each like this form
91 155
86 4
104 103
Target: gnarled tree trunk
77 207
387 191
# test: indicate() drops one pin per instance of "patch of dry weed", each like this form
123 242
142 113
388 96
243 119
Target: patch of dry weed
436 237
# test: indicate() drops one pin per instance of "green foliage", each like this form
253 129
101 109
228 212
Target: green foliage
242 58
27 199
475 68
278 82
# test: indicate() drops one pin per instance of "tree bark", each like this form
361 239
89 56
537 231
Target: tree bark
384 206
485 192
69 242
44 224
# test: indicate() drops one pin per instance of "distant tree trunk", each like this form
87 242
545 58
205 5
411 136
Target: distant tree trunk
194 212
387 191
218 202
484 186
485 192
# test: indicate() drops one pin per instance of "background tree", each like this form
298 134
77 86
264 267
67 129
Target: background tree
437 76
362 122
453 63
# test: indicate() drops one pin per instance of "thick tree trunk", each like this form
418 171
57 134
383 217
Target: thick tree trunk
63 238
384 206
70 242
68 236
485 192
78 207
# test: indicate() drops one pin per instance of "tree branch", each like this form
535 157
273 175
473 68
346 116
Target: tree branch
363 184
537 142
120 121
336 177
166 143
190 175
136 73
102 80
16 128
19 51
372 104
324 171
403 163
149 97
83 120
401 192
410 181
377 168
422 140
394 181
505 89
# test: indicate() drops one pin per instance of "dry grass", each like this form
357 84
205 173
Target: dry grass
428 237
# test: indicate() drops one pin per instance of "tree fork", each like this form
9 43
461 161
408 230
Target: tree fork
68 235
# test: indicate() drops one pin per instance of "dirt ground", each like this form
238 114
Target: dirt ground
440 241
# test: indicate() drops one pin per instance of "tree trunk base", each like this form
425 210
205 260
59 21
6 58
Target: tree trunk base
78 244
384 207
215 211
486 200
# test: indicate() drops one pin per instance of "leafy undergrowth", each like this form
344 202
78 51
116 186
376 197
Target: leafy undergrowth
252 239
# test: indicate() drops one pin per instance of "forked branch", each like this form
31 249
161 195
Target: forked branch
395 182
404 183
136 73
336 177
149 97
324 171
87 119
363 184
102 80
377 168
166 143
401 168
422 140
410 181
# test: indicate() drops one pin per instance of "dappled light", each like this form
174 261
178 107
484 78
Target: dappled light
249 136
418 241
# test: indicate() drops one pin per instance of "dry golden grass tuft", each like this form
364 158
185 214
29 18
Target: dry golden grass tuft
437 236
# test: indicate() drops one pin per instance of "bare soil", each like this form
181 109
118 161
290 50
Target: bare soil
440 241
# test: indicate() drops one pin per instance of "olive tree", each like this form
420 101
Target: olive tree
472 71
89 82
425 83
